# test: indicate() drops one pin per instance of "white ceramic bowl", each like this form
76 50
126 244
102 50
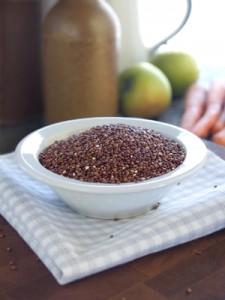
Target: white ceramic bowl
101 200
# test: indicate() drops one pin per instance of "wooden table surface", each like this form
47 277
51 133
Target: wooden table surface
195 270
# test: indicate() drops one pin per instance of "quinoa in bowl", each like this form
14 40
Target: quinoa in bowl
114 153
111 167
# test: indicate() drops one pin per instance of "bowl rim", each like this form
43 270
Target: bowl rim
29 147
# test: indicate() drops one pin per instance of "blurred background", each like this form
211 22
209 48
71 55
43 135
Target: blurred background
21 99
202 35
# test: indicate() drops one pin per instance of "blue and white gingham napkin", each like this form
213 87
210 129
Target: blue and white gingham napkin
73 246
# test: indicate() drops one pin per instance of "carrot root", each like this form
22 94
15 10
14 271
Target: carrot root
219 137
214 104
220 122
195 100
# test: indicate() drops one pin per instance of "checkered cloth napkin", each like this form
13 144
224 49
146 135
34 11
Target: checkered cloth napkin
73 246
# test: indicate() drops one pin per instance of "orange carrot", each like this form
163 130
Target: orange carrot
220 123
194 106
214 103
219 137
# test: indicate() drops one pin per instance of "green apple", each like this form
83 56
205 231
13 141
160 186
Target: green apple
180 68
144 91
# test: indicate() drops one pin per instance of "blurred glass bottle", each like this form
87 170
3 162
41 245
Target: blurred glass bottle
80 53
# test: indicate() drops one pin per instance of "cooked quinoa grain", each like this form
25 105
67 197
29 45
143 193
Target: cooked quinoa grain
116 153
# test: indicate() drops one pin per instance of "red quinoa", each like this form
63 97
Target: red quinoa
116 153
